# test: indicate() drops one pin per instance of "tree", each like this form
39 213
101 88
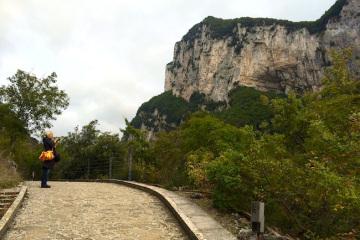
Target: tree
10 125
35 101
140 160
87 153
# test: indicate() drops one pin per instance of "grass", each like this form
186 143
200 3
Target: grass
8 177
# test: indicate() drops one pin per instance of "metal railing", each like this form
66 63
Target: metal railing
113 167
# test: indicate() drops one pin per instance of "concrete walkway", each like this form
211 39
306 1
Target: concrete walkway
92 211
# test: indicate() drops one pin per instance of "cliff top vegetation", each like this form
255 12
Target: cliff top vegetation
221 28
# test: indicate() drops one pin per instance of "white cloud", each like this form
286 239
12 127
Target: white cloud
110 55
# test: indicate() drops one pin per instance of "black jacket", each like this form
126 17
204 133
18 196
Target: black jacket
49 144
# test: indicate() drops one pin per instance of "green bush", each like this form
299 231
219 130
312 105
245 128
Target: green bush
299 198
307 169
169 159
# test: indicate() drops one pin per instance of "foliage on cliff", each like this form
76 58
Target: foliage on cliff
246 106
222 28
174 108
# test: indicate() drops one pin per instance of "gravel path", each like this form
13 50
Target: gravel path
92 211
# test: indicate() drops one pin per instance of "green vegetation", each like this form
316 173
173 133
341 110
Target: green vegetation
222 28
308 167
247 106
175 108
17 149
305 164
86 154
10 126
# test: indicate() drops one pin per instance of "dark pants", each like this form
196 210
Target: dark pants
45 176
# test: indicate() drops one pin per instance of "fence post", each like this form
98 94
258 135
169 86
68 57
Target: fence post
88 168
130 163
258 218
110 167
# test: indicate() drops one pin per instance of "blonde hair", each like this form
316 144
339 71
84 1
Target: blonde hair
49 134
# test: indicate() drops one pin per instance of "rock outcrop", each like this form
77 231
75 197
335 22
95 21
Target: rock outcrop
218 55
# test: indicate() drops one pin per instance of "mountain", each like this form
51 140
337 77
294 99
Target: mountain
220 56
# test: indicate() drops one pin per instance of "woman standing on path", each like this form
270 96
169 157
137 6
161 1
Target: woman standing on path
49 145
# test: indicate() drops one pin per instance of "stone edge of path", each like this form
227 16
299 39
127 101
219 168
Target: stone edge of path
10 213
186 223
189 227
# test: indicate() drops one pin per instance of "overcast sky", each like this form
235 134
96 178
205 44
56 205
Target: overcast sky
110 55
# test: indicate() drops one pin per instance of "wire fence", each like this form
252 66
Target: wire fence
115 167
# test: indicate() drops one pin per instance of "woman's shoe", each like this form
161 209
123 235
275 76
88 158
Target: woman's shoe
46 186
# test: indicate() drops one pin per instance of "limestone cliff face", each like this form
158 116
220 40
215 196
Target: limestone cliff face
218 55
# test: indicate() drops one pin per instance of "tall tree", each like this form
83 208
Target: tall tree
35 101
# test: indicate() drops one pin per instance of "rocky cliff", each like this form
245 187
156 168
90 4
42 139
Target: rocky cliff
218 55
217 61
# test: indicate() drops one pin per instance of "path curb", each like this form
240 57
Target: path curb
218 233
10 213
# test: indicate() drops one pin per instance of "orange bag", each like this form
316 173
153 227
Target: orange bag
47 156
